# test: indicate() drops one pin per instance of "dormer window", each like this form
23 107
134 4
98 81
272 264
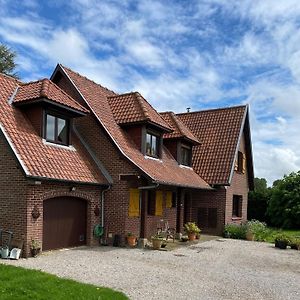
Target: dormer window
152 144
56 129
186 155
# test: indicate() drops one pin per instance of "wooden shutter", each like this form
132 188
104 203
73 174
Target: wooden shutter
158 203
244 163
134 203
236 164
169 199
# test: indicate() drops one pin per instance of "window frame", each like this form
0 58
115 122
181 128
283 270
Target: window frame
237 203
240 158
56 117
189 152
158 139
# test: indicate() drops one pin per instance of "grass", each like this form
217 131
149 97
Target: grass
272 232
19 283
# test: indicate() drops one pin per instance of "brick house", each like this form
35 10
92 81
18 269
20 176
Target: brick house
75 154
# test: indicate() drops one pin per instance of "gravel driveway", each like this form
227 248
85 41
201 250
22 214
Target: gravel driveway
217 269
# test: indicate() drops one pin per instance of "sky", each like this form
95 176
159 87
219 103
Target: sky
177 54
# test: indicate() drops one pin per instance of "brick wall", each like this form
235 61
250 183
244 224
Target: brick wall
239 186
12 192
36 194
210 199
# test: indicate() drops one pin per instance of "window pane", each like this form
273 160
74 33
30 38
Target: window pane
148 144
154 146
62 131
50 128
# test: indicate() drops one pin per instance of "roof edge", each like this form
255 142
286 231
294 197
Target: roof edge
95 159
61 68
12 147
238 145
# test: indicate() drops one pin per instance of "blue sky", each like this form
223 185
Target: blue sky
199 54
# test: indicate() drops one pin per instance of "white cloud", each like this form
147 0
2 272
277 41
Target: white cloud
179 54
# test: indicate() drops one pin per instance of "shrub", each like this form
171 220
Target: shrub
191 227
235 231
258 229
281 237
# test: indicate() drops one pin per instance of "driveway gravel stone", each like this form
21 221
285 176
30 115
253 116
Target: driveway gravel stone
216 269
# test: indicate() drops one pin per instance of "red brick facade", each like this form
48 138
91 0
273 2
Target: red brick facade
20 194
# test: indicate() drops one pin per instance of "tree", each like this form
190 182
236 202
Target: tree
258 200
284 205
7 61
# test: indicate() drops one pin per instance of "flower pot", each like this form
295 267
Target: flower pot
156 244
131 240
192 236
250 236
281 244
35 252
4 252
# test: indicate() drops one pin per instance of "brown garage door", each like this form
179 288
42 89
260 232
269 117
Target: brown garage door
64 223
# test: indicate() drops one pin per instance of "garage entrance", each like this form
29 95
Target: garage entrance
64 223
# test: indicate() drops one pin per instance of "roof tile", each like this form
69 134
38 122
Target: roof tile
218 130
41 159
132 108
47 89
164 171
180 130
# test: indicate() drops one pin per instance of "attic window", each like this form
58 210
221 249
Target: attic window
186 155
152 144
240 162
56 129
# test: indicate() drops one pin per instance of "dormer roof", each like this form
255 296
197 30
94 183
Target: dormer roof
46 90
180 130
132 108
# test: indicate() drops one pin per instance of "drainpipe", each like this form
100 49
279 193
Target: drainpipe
102 204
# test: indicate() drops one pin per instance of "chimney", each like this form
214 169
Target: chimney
188 109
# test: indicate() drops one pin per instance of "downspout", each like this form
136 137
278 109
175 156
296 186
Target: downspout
102 204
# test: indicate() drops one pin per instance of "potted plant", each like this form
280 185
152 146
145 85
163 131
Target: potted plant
131 239
35 248
191 229
281 241
4 252
157 241
294 243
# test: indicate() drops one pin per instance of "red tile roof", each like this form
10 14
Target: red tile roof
164 171
133 108
46 89
179 129
218 130
39 159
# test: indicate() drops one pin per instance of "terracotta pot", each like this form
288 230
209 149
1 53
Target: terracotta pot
156 244
131 240
250 236
192 236
35 252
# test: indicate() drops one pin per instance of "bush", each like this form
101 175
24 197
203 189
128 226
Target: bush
281 237
284 205
191 227
235 231
258 229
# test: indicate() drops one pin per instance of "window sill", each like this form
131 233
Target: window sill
154 158
70 147
184 166
236 218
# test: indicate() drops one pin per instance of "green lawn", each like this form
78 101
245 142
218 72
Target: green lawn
19 283
273 231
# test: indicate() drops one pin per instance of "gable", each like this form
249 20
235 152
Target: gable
219 131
